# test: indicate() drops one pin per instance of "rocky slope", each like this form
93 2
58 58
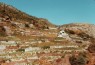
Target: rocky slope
81 29
81 33
12 19
10 13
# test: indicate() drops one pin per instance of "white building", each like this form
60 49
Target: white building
63 34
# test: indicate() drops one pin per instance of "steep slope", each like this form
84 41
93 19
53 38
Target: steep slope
12 14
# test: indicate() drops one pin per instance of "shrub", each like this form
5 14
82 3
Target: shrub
80 60
2 34
21 50
91 48
46 47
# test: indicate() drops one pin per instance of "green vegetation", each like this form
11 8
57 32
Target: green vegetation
46 47
21 50
2 34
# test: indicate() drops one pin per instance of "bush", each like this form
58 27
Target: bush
21 50
91 48
2 34
80 60
46 47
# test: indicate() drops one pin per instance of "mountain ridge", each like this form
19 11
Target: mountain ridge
14 14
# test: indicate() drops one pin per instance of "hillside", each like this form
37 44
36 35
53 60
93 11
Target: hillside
80 29
81 33
28 40
12 14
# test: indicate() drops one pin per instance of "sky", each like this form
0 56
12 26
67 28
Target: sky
58 11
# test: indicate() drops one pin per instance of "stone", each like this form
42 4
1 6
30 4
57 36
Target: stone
31 25
7 30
